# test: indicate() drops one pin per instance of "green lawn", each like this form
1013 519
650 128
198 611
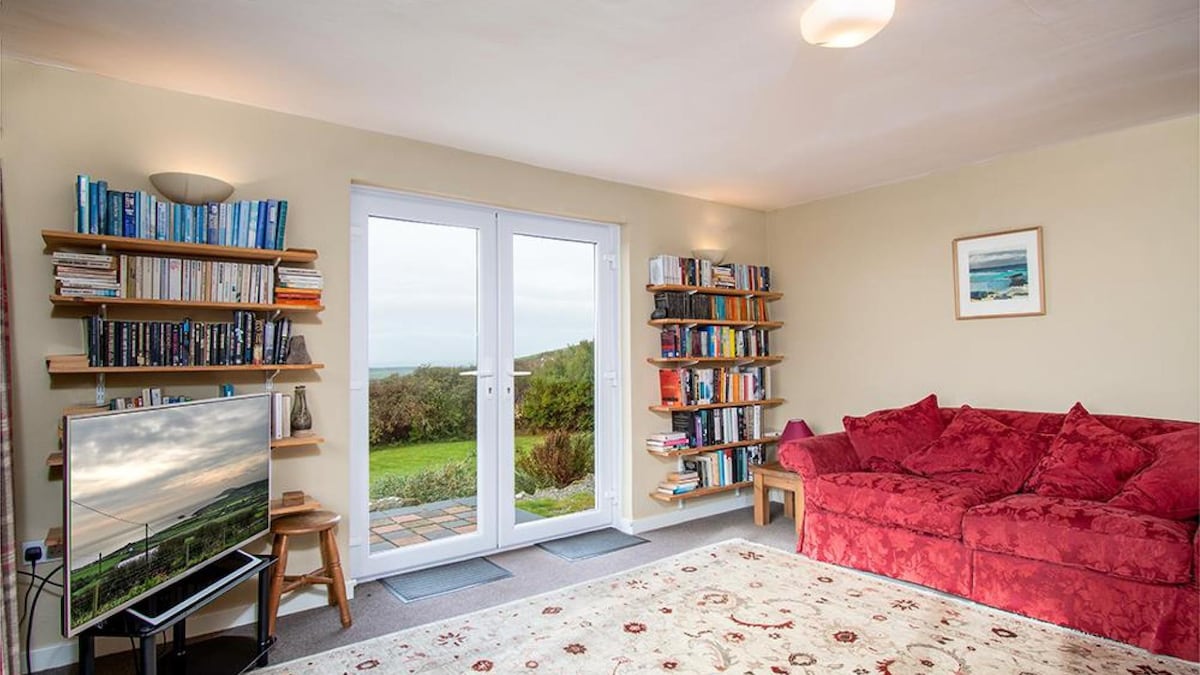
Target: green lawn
404 460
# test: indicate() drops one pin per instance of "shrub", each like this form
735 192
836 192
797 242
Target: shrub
559 392
559 460
429 404
448 481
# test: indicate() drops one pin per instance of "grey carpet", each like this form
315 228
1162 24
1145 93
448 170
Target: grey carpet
590 544
378 612
444 579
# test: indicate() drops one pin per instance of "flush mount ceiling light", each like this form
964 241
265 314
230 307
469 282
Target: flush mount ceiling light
845 23
191 188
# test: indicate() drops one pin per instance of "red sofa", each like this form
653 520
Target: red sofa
992 535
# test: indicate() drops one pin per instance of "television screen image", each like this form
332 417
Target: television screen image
155 493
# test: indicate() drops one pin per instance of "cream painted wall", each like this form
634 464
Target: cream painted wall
58 123
870 303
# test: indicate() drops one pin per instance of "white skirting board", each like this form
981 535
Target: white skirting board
66 652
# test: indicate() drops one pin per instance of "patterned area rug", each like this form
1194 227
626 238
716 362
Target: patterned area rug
739 607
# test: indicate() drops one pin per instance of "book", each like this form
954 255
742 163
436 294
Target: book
670 387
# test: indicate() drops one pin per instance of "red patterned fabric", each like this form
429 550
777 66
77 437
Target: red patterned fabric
1087 460
894 434
1084 534
944 564
911 502
1160 618
810 457
977 443
1170 486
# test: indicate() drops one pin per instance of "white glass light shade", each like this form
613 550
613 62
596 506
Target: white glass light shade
845 23
712 255
191 188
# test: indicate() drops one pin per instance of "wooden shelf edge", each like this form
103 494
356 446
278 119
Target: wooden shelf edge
765 325
767 403
88 370
296 441
713 290
58 239
54 459
89 302
700 492
684 452
54 537
278 509
735 360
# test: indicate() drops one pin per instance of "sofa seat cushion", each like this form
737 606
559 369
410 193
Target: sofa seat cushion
900 500
1084 534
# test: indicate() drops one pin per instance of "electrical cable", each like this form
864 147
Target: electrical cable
25 601
137 662
32 612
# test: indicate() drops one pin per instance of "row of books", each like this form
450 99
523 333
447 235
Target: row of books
155 278
281 415
258 223
299 286
712 341
243 341
669 269
150 397
679 482
679 305
719 426
723 467
696 386
662 443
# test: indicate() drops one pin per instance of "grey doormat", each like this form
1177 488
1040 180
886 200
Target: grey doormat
444 579
591 544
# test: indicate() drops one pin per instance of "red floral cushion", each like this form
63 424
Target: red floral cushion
977 443
894 434
1084 534
898 500
1170 486
1087 460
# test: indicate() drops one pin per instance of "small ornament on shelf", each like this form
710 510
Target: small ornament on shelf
301 418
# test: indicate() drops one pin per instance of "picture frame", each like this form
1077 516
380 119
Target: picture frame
999 274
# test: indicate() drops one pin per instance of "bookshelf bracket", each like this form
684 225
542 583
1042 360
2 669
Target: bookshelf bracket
101 391
269 380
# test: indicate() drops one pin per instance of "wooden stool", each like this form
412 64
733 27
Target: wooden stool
770 476
320 523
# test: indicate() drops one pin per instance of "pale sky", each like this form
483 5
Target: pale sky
422 302
152 464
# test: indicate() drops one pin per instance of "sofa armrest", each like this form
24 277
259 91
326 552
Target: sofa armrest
810 457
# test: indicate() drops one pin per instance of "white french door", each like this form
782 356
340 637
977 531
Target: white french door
484 380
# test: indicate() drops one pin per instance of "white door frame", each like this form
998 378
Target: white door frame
496 529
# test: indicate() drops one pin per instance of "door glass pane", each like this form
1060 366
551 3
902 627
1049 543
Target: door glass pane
554 332
423 339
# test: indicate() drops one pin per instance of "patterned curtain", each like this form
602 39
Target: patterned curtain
9 629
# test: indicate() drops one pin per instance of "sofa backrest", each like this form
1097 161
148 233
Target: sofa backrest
1051 423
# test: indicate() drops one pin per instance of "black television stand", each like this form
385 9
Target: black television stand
195 591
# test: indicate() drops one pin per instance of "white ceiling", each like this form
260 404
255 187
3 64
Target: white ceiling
713 98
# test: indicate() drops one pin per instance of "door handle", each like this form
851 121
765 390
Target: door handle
476 373
519 373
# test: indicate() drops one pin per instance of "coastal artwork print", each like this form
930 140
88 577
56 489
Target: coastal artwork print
999 275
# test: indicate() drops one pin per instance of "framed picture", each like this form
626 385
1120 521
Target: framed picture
999 274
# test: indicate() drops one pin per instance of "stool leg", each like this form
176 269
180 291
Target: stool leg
279 549
762 507
333 566
799 500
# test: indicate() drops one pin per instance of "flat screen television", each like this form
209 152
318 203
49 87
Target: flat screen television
154 494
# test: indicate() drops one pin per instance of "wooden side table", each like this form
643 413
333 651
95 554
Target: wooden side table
775 476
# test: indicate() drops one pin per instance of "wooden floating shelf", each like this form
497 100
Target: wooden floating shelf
700 492
92 302
768 403
278 509
61 369
59 239
712 290
683 452
696 360
765 325
296 441
54 537
54 459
